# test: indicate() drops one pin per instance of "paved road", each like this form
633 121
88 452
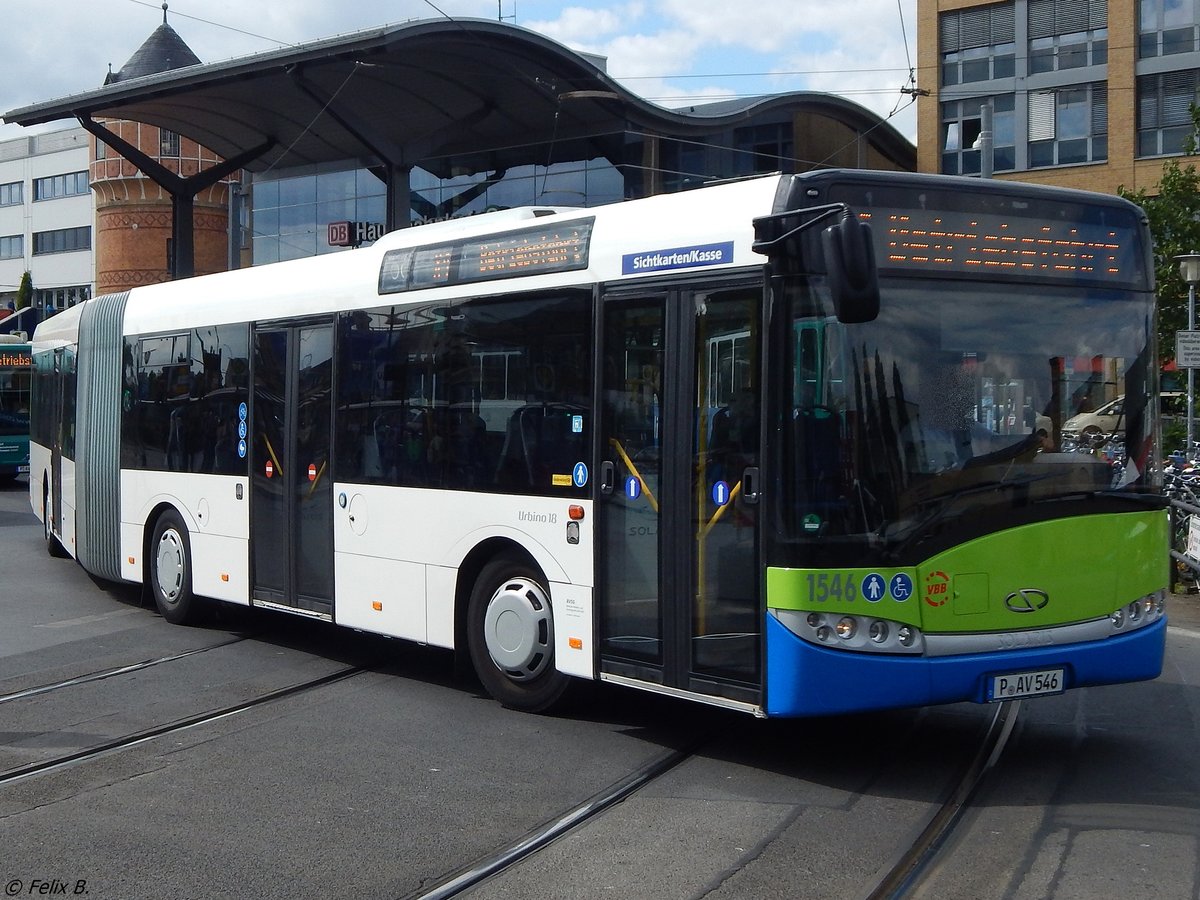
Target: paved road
388 774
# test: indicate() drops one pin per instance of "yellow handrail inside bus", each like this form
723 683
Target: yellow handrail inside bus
317 480
274 458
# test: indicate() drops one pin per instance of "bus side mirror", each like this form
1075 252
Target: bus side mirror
850 262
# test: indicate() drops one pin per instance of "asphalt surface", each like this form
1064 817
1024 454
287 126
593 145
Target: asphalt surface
400 773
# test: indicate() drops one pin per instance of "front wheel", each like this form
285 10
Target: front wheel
510 634
171 570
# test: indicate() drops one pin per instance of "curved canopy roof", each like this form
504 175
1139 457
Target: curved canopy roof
416 93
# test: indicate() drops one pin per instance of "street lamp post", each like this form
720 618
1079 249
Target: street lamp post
1189 268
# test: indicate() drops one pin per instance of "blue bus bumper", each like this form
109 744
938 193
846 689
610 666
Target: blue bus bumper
806 680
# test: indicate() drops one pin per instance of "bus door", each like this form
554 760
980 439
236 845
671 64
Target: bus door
678 583
291 487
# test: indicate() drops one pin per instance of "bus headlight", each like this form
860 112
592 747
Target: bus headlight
1140 613
850 632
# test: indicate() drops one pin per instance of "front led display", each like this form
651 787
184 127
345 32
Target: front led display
989 234
959 242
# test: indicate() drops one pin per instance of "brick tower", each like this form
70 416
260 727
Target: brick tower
133 213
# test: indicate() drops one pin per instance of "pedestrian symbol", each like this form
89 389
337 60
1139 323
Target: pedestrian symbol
874 587
580 474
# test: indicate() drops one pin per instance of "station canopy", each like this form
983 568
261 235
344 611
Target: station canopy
451 96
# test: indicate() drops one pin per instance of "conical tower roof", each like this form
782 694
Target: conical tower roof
162 51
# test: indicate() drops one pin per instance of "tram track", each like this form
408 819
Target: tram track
916 863
103 674
906 873
575 817
145 735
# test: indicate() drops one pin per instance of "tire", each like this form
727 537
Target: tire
54 546
170 575
510 635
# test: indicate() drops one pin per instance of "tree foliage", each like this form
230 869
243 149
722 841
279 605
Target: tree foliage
1173 210
25 291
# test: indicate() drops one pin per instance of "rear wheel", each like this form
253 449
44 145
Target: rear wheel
510 634
171 570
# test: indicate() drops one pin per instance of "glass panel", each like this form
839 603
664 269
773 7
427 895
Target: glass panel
269 531
311 481
725 621
631 622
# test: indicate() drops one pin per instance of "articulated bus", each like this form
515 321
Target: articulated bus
788 445
16 376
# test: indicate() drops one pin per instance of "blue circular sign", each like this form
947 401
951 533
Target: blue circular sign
580 474
633 487
242 429
901 587
720 493
874 587
242 411
242 449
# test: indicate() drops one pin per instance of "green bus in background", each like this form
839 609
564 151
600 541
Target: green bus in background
16 376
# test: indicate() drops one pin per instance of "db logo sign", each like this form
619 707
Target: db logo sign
339 234
937 588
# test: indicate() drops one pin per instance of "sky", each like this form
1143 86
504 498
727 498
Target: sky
671 52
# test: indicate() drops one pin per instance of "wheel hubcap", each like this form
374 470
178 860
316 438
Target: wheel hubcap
169 570
518 630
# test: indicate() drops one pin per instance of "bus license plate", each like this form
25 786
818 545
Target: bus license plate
22 470
1025 684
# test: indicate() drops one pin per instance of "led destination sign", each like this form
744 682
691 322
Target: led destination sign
1001 234
530 251
989 244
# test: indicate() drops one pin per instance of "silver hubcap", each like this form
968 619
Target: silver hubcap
518 630
170 568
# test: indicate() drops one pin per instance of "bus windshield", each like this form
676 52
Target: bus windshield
947 415
14 396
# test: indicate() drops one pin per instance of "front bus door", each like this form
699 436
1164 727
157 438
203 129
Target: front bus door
679 589
291 530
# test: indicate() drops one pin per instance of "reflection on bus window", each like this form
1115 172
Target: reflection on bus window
490 392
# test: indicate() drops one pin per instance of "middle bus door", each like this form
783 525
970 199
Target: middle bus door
291 527
677 537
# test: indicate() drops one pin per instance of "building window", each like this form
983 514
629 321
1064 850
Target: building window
763 148
101 149
168 143
1067 34
1068 125
12 246
962 123
12 194
1164 111
977 44
1167 27
62 240
73 184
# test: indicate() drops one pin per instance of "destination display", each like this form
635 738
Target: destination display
561 247
995 236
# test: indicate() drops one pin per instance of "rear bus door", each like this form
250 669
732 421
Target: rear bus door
291 529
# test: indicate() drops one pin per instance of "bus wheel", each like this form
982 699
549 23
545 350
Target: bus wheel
53 545
510 634
171 570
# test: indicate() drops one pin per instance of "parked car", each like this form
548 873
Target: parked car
1105 420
